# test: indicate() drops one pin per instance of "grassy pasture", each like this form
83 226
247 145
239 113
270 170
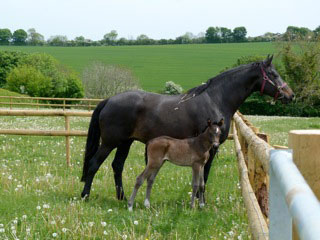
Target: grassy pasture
187 65
39 195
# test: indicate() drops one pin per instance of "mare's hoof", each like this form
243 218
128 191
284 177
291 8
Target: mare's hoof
130 209
121 197
120 194
201 205
85 197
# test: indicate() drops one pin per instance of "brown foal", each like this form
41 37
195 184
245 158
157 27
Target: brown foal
193 152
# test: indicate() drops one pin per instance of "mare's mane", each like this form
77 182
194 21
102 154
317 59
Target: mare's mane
200 89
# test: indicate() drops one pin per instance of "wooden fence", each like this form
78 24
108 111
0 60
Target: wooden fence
58 113
252 151
43 102
292 201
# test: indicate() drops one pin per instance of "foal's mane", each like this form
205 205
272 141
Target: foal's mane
200 89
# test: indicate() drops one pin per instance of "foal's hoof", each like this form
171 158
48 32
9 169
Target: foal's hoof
201 205
147 203
130 209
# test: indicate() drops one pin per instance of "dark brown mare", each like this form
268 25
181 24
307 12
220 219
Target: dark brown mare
192 152
136 115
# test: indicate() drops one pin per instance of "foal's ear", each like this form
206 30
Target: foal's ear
221 122
209 122
268 60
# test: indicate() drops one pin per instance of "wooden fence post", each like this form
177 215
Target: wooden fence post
306 156
67 127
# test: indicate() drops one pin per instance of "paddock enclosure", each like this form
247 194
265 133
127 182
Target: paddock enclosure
244 205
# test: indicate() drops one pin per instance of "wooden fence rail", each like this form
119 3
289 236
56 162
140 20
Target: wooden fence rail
258 225
256 155
65 103
67 132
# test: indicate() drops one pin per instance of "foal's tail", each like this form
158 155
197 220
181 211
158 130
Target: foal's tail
93 139
146 154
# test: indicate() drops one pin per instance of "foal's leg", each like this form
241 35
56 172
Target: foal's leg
140 179
201 188
139 182
94 165
207 167
117 165
150 180
195 182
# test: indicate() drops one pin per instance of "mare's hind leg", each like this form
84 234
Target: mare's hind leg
94 165
117 165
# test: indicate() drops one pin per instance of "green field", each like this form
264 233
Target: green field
187 65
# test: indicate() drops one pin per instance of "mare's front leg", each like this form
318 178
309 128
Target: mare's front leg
195 182
118 164
207 166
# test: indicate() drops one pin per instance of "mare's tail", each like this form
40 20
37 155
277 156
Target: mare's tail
93 139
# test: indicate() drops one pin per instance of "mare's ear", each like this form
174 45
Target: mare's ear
268 60
221 122
209 122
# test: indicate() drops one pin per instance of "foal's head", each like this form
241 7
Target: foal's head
214 131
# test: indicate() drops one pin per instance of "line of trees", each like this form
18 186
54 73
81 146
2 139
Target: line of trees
212 35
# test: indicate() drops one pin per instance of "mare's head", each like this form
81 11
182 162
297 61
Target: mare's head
214 132
271 83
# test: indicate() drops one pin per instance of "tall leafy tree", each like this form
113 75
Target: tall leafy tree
80 41
5 36
239 34
110 37
212 35
19 37
226 34
35 38
58 40
317 32
143 39
294 33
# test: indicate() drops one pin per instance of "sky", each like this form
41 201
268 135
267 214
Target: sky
155 18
